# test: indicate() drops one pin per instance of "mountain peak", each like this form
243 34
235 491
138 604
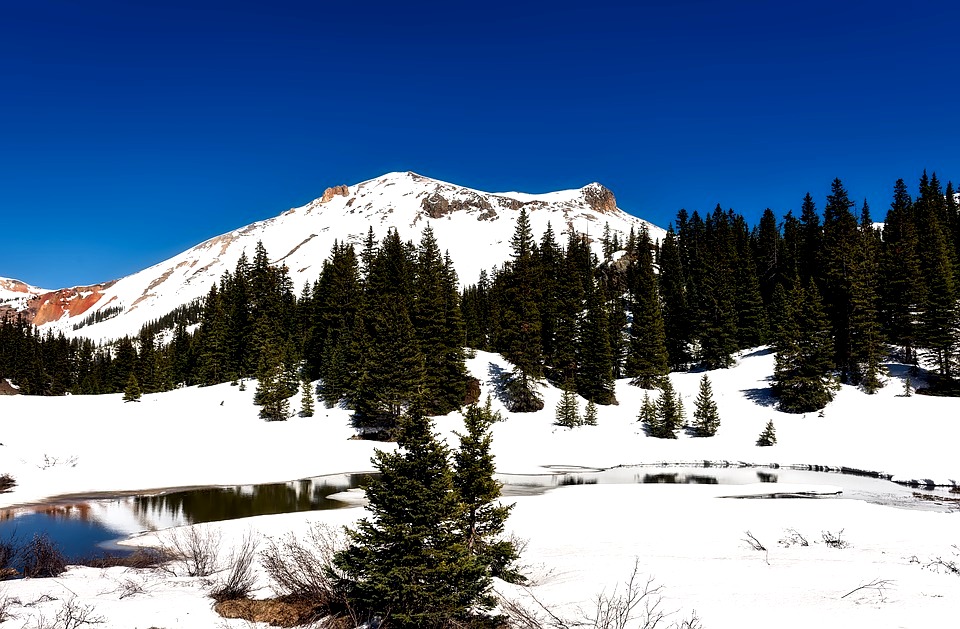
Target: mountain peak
475 226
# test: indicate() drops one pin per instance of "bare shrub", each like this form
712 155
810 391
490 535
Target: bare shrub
130 587
141 558
753 542
638 605
240 579
6 608
194 548
304 569
8 556
794 538
949 566
41 557
834 540
71 615
639 600
6 483
879 586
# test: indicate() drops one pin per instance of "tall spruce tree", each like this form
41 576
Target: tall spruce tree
648 413
131 392
802 376
439 328
938 314
809 237
668 413
838 258
706 418
595 374
568 409
901 290
866 341
717 317
409 563
676 312
647 358
473 479
306 395
520 340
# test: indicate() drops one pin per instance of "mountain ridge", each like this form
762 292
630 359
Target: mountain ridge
473 225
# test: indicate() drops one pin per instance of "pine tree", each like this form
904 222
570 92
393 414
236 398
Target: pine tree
473 480
436 318
408 563
769 435
802 375
590 414
594 377
306 394
132 391
901 289
568 409
717 317
706 419
213 340
810 235
648 413
647 359
866 341
393 366
676 312
520 341
938 313
838 257
769 246
668 416
272 391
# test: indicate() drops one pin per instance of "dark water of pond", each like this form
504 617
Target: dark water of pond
89 526
84 527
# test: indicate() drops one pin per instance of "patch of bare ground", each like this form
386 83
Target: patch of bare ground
277 612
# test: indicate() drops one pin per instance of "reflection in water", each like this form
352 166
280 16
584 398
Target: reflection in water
679 479
227 503
87 528
766 477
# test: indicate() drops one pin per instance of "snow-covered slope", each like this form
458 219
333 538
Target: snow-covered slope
474 226
15 295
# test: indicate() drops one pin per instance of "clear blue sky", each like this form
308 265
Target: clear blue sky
134 130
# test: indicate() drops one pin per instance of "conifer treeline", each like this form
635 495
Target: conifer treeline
381 331
385 326
831 297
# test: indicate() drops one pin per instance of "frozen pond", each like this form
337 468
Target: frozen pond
90 525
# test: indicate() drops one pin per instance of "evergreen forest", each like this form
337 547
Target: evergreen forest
386 325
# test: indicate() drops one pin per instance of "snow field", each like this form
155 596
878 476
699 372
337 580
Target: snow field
583 540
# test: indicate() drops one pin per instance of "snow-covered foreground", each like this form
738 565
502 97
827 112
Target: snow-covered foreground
582 540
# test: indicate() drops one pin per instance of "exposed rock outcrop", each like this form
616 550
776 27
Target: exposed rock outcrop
599 198
329 193
72 302
436 205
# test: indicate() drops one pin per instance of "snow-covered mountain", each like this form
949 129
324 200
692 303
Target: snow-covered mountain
474 226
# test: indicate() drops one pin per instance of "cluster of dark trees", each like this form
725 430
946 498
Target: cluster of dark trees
427 554
379 330
385 327
831 295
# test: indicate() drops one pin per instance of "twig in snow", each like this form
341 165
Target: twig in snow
879 585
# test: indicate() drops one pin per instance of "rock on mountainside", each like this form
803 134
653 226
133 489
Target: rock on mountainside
474 226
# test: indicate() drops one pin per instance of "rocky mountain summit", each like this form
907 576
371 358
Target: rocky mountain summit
475 227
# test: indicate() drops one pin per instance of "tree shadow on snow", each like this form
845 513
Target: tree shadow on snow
763 351
762 396
499 378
